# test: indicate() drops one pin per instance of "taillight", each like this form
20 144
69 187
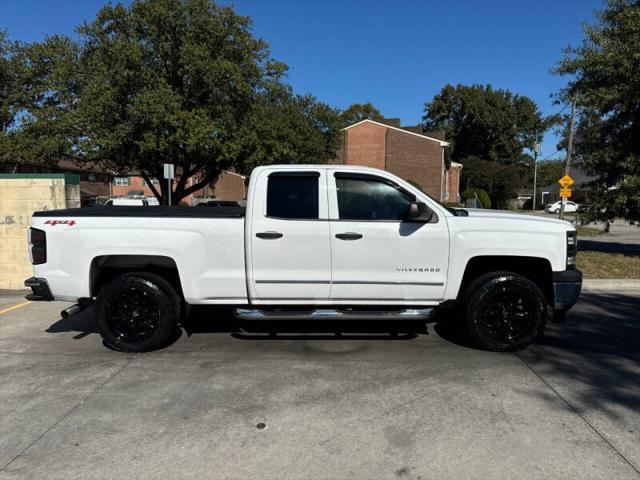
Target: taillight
37 246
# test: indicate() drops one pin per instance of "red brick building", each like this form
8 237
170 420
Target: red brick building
229 186
404 151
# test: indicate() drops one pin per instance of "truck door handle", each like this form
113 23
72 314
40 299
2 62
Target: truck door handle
269 235
349 236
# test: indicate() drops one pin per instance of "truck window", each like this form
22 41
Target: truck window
366 198
293 196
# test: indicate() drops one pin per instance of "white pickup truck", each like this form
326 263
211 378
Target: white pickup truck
315 242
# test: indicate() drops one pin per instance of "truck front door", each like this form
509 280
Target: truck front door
290 255
376 255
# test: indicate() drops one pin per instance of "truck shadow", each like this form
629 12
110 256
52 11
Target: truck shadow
609 247
594 358
208 320
221 320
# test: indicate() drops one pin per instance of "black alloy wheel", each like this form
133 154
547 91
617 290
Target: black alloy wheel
138 312
504 311
132 316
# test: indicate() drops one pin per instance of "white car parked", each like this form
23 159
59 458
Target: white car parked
129 202
555 207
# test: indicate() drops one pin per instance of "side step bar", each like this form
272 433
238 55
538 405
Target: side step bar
332 314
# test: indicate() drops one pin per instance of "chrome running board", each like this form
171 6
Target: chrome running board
332 314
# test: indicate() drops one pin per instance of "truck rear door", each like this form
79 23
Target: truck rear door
288 232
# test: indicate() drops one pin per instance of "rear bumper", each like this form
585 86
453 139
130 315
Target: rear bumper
39 290
566 289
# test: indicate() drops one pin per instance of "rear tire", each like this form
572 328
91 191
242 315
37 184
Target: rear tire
503 311
138 312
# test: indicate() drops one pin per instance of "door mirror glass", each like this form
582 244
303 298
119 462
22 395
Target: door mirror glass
419 212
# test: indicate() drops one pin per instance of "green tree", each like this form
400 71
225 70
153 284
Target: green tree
48 127
170 81
285 128
482 195
358 112
13 91
488 130
605 84
497 179
549 172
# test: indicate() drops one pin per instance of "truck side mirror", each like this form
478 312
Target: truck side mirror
419 212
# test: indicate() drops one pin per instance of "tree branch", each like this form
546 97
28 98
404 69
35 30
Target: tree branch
182 181
153 188
208 178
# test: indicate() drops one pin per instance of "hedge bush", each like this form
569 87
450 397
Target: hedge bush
483 196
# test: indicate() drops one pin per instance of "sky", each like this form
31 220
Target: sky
395 54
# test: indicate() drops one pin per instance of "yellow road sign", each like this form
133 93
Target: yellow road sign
565 192
566 181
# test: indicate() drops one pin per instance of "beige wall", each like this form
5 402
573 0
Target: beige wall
19 198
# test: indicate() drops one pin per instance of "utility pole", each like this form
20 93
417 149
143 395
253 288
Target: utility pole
569 152
536 151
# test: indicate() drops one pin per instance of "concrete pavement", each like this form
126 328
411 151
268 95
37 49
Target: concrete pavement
376 401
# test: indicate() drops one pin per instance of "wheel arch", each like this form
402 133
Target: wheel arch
536 269
105 268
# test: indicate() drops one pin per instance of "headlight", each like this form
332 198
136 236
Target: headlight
572 248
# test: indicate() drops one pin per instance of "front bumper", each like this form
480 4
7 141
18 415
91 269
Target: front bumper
566 289
39 290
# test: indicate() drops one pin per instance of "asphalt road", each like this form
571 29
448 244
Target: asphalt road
622 238
368 403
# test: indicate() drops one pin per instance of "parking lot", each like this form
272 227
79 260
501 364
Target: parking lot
323 400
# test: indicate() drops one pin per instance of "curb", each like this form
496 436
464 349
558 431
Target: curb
610 284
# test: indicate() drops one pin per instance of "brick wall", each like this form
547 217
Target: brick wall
339 159
416 159
366 145
229 187
20 196
453 184
135 183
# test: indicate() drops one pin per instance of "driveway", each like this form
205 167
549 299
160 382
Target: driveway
318 401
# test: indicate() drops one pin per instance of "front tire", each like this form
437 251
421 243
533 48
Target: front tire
503 311
138 312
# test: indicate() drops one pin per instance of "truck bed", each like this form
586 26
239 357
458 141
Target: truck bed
204 244
146 211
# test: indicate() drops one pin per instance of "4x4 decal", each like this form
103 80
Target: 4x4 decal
70 223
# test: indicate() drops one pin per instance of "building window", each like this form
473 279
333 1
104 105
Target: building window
154 181
121 181
293 196
92 178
